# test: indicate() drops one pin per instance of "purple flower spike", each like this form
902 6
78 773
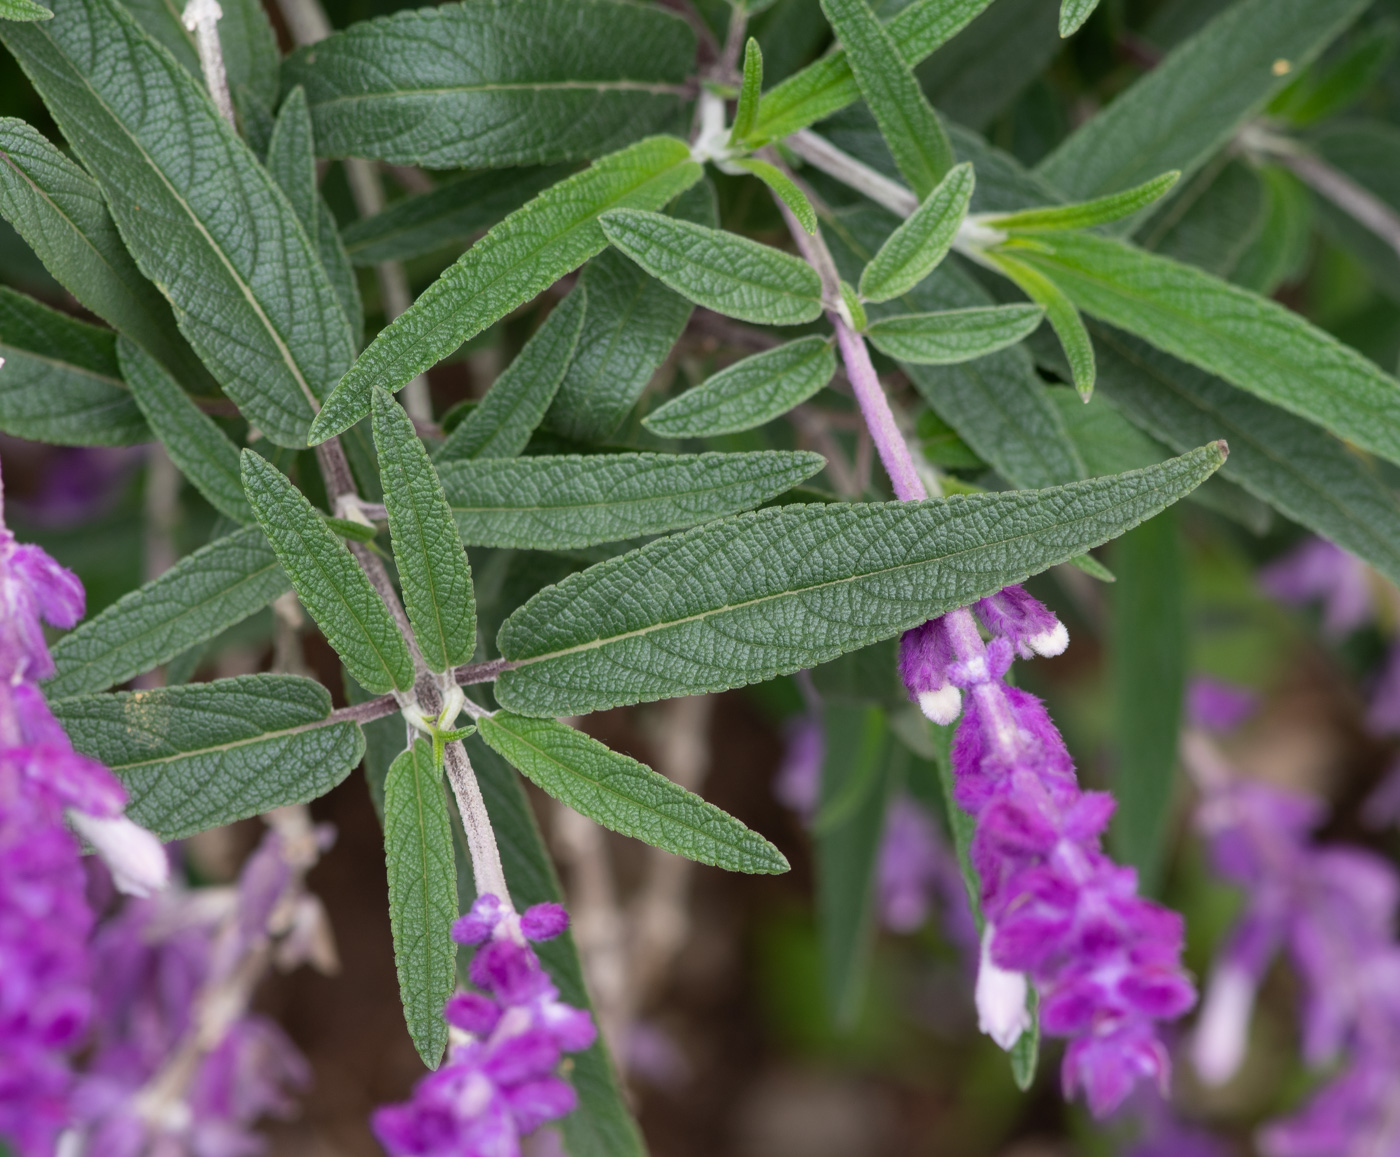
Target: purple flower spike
1024 622
544 921
1218 706
1318 570
480 922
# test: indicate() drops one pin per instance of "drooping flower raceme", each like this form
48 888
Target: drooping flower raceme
500 1080
1058 912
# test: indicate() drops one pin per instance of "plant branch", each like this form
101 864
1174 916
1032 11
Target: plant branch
821 154
202 18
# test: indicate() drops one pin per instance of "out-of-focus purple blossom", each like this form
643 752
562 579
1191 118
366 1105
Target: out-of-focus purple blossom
1161 1133
1318 570
654 1056
1215 705
1383 711
915 871
799 779
500 1081
1382 806
79 483
1105 961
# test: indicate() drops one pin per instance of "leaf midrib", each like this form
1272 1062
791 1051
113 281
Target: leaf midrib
522 86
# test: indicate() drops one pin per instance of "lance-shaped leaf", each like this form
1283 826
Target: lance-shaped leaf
61 382
626 796
1060 312
748 393
1300 470
777 590
203 219
630 324
907 121
722 271
494 84
750 92
291 159
207 754
331 586
201 596
451 214
522 256
956 335
196 445
422 869
1255 343
433 570
1185 110
58 210
1086 214
500 425
23 10
784 188
822 88
917 246
571 501
1073 13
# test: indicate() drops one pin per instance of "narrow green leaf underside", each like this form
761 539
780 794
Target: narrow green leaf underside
750 93
956 335
1087 214
626 796
784 188
1060 312
917 246
763 594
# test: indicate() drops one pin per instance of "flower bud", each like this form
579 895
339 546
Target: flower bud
134 855
1001 998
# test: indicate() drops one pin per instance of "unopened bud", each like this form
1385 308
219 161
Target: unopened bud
1001 998
134 855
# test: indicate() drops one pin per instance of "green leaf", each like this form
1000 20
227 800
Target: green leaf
784 188
630 324
722 271
1280 248
422 873
432 566
59 211
1250 341
495 84
332 588
914 249
1320 93
1212 222
203 219
1365 152
1086 214
822 88
196 445
451 214
570 501
61 382
858 768
748 393
1060 312
251 56
1149 640
957 335
501 424
291 159
749 94
1187 108
1305 473
522 256
198 598
763 594
626 796
601 1126
23 10
1073 13
907 121
207 754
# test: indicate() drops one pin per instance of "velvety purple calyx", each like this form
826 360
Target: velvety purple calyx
925 656
1024 622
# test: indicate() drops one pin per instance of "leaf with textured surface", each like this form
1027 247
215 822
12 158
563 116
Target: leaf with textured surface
331 586
1187 108
198 598
956 335
907 121
626 796
432 566
59 211
195 444
1060 312
500 425
1073 13
750 93
206 754
23 10
1248 340
1305 473
722 271
1086 214
422 874
201 216
920 243
486 85
1212 222
784 188
522 256
763 594
570 501
61 382
450 214
748 393
630 324
828 85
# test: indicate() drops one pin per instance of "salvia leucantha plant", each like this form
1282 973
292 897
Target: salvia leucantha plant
572 542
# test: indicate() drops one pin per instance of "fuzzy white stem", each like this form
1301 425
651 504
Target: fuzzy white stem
481 837
202 18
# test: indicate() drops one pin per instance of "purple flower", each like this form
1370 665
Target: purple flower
1318 570
916 868
1383 712
500 1081
1218 706
1058 912
799 780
